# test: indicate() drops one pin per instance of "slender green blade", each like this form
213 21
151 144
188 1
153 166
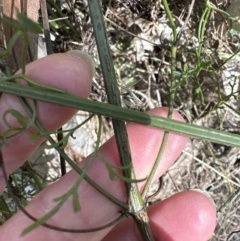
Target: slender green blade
117 112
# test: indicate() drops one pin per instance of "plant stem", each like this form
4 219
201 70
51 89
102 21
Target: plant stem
117 112
73 164
171 101
136 205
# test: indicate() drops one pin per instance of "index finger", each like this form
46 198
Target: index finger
71 72
96 209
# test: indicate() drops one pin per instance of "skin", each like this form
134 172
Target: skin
188 215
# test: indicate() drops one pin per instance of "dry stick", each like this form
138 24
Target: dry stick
50 51
46 26
190 9
134 35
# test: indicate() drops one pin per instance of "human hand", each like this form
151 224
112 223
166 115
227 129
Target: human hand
189 215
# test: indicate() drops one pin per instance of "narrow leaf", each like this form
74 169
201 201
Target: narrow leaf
20 118
76 203
28 23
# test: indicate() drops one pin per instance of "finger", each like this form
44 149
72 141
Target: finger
96 209
185 216
71 72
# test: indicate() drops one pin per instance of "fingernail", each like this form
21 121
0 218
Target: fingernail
206 194
86 57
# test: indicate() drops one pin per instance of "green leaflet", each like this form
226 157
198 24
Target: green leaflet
28 24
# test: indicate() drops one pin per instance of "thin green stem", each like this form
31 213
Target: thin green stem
117 112
25 49
202 26
136 205
14 77
72 192
170 18
171 103
110 83
71 162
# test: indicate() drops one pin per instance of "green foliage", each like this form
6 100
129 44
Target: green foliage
28 24
10 44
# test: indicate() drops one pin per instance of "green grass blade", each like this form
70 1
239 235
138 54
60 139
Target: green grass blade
117 112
